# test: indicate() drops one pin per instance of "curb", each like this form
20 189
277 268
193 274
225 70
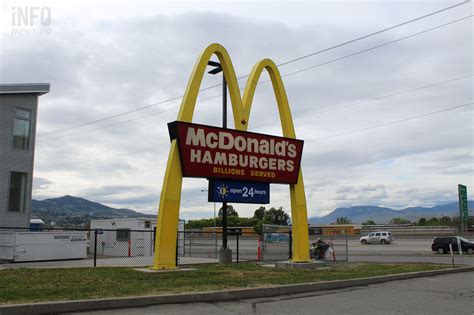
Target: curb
210 296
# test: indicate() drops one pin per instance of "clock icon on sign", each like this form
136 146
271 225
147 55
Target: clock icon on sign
223 191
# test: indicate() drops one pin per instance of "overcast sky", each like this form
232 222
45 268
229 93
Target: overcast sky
103 58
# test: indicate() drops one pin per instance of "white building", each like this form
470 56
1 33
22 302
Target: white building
126 237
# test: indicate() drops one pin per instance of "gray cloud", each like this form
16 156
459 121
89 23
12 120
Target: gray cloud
41 183
104 64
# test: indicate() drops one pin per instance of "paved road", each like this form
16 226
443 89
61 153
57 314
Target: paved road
206 247
397 251
433 259
447 294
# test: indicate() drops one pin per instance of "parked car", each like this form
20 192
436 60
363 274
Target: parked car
441 244
382 237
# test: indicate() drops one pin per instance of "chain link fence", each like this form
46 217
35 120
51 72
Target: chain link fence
127 247
120 247
199 244
78 247
113 247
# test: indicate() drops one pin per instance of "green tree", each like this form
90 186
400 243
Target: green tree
246 221
446 221
276 216
343 220
259 214
422 222
433 221
399 220
199 224
231 212
369 222
271 216
258 226
233 221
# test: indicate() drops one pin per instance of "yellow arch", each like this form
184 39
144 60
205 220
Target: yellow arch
168 212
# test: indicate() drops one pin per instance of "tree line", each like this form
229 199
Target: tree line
276 216
433 221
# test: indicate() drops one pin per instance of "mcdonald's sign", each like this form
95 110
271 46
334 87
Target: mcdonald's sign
168 211
212 152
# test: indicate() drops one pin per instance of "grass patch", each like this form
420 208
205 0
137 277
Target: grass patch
39 285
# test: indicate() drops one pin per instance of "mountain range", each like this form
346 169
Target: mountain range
381 215
69 210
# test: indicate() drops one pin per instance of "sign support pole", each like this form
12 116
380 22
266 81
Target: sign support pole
224 125
215 232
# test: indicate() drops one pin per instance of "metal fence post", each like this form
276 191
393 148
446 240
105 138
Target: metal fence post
190 243
184 244
290 242
216 236
347 246
237 248
177 245
95 247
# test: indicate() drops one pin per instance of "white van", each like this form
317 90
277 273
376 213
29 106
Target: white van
382 237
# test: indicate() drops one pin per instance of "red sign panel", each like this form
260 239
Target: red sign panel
213 152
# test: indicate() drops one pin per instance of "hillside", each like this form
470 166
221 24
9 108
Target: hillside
380 215
69 210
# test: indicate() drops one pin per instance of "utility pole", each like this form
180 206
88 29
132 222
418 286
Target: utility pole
225 255
224 125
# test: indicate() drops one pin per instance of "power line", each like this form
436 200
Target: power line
374 33
261 82
312 113
391 122
381 45
123 121
154 148
367 128
281 64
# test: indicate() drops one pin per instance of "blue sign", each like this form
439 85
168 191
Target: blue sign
238 192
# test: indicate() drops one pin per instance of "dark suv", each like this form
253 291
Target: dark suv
441 244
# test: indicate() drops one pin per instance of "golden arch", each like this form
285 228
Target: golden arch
168 212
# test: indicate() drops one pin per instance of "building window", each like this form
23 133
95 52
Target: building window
17 196
123 235
21 129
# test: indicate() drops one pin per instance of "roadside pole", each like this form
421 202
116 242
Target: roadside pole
215 232
452 254
290 243
237 245
95 247
347 245
459 246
